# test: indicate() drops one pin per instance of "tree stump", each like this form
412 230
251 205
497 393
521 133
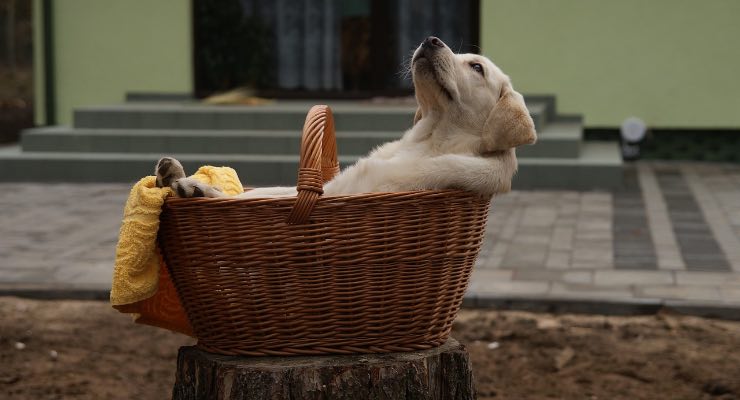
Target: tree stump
443 373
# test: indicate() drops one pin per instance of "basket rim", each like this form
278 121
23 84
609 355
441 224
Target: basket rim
172 200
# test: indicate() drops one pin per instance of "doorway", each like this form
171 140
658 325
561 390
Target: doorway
321 48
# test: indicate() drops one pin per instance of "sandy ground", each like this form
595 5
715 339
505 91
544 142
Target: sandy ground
86 350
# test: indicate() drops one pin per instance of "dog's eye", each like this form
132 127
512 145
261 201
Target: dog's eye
477 68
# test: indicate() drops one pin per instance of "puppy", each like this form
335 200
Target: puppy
465 130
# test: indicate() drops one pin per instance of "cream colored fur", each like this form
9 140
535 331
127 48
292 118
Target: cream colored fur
464 135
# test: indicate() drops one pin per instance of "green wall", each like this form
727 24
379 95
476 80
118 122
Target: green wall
673 63
105 48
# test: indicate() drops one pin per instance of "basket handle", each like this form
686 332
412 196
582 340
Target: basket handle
318 162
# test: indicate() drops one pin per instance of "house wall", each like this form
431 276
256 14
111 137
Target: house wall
105 48
673 63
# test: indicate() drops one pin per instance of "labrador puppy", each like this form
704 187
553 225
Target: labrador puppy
465 130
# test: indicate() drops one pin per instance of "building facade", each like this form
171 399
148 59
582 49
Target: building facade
672 63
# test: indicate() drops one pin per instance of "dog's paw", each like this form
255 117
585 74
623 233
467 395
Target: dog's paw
189 187
168 171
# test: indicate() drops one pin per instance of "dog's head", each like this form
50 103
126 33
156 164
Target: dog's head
473 93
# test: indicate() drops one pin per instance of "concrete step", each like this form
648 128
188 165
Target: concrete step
349 116
65 139
539 113
558 140
128 167
598 167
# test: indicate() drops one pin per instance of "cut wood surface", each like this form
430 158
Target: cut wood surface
442 373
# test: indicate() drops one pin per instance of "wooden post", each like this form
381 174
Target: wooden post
443 373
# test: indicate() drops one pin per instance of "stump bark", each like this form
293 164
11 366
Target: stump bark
443 373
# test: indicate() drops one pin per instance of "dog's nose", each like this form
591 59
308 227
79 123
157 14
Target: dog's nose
432 41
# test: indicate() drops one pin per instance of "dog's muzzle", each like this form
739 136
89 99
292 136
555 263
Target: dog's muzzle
430 45
432 42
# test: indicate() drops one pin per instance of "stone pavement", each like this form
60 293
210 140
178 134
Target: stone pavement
669 238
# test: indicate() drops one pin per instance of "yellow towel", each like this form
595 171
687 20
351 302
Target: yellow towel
141 284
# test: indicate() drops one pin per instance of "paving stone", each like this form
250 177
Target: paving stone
510 226
667 249
534 230
612 278
565 222
495 262
707 278
582 277
486 259
519 288
499 249
595 211
638 263
663 232
592 264
28 261
700 258
719 220
568 210
636 258
494 275
481 262
734 216
74 273
524 256
537 239
603 238
695 227
635 249
570 290
562 238
600 243
531 274
730 293
26 275
697 242
558 259
535 216
673 264
683 292
594 225
593 254
595 198
706 266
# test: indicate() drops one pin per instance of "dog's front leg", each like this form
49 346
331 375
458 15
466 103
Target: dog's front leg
484 175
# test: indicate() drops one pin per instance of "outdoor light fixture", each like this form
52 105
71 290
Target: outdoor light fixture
633 131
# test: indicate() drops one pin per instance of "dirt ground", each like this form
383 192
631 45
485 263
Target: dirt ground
86 350
519 355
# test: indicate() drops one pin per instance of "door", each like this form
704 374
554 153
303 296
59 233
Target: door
321 48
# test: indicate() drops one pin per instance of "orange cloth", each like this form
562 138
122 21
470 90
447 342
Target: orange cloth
141 282
163 309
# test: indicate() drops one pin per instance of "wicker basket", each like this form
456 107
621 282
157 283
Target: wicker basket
365 273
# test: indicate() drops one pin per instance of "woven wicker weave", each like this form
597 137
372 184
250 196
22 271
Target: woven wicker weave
365 273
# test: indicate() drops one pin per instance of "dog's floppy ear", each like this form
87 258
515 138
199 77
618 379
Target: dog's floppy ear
509 124
417 115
